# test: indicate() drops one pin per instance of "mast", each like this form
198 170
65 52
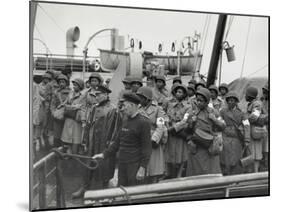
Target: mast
212 73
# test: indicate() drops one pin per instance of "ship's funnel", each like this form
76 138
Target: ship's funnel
72 35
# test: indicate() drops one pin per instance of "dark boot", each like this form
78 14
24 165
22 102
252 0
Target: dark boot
79 193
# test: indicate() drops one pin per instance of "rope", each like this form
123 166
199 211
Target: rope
66 156
51 18
246 46
126 195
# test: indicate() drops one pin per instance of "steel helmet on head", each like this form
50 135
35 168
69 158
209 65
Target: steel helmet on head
179 86
146 92
205 93
62 77
160 77
223 85
252 92
97 76
232 94
79 82
215 88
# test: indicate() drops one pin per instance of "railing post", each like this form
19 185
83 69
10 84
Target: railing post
59 187
42 187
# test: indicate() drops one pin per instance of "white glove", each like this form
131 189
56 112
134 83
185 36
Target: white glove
246 122
160 122
186 115
256 113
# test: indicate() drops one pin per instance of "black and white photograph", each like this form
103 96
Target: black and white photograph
137 105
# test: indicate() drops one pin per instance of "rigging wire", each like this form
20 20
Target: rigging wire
207 30
246 46
41 36
258 70
231 18
51 18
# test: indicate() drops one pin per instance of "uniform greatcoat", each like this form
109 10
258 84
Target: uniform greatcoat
156 164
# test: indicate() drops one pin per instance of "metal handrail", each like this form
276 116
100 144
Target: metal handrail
174 186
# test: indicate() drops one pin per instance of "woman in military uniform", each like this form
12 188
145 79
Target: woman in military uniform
176 152
236 135
205 124
156 165
58 100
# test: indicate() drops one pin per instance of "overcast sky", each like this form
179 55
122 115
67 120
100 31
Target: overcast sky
153 27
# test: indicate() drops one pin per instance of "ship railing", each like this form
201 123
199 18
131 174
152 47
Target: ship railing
40 183
58 61
178 188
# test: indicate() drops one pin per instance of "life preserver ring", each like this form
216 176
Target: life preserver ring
97 66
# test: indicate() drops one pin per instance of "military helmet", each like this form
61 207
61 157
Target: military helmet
97 76
160 77
223 85
136 80
177 79
177 86
79 82
47 76
205 93
191 87
215 88
252 92
127 79
232 94
146 92
201 82
192 81
62 77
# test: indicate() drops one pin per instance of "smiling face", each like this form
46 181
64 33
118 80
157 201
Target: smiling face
213 94
129 108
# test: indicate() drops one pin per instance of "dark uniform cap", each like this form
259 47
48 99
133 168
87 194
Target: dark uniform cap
265 87
191 87
146 92
136 79
97 76
47 75
160 77
213 87
131 97
232 94
62 77
205 93
102 89
79 82
252 92
201 82
223 85
178 78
